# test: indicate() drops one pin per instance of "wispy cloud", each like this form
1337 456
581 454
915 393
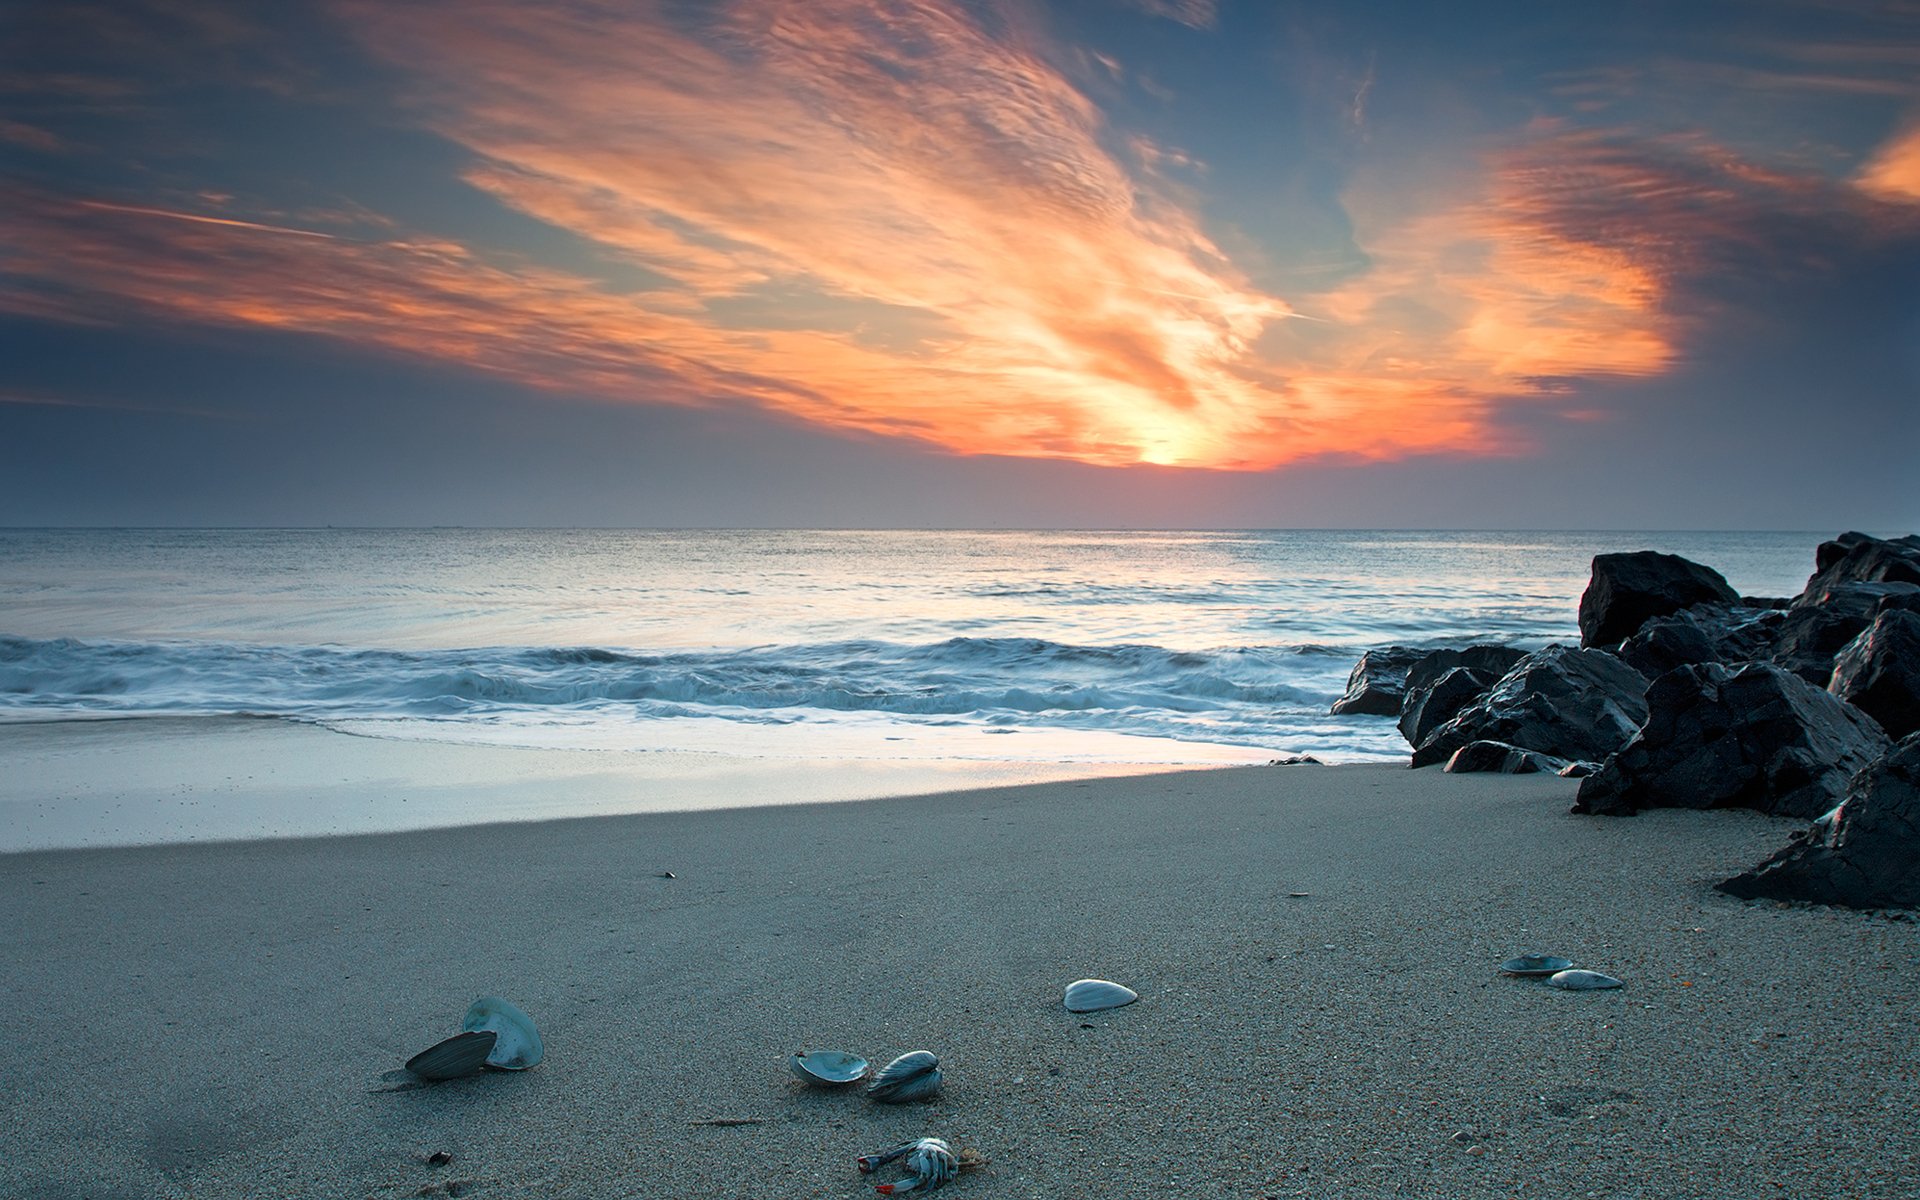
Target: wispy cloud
900 219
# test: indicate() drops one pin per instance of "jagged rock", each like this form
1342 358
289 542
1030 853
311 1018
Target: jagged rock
1755 736
1435 703
1703 633
1559 701
1379 682
1504 759
1859 558
1428 705
1821 624
1808 639
1864 854
1879 672
1626 590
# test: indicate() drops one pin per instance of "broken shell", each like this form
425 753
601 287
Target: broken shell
1583 981
518 1046
930 1161
827 1068
461 1054
1093 995
1529 965
915 1075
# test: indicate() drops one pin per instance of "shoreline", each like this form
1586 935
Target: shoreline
215 1019
134 781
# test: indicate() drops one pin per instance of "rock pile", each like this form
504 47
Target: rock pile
1685 694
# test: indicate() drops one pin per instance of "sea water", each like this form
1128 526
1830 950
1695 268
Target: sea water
1047 647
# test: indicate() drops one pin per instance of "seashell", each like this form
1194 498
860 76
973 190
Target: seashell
827 1068
1583 981
1094 995
1531 965
461 1054
915 1075
518 1046
930 1161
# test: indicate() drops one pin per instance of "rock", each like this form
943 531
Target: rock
1428 705
1503 759
1821 624
1379 682
1438 702
1703 633
1626 590
1571 704
1859 558
1879 672
1754 736
1863 854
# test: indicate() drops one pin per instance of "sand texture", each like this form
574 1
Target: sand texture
216 1020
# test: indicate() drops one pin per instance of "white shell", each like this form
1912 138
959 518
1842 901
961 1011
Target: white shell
1093 995
827 1068
1535 964
1582 981
915 1075
518 1046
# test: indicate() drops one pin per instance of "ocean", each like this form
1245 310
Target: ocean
1168 648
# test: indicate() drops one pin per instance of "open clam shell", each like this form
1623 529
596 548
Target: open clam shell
517 1045
915 1075
461 1054
828 1068
1582 981
1535 965
1095 995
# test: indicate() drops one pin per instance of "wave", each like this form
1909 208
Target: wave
957 676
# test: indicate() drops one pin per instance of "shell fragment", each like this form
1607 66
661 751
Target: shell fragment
1095 995
915 1075
1582 981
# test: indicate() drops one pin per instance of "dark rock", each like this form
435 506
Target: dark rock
1754 736
1865 854
1502 758
1379 682
1879 672
1626 590
1558 701
1809 635
1703 633
1578 769
1422 710
1492 660
1859 558
1435 703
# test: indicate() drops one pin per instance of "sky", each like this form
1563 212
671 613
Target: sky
1032 263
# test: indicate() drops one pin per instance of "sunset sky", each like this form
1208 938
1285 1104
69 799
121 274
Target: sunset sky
923 262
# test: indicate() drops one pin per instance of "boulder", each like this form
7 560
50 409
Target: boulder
1427 705
1703 633
1379 682
1864 854
1753 736
1821 624
1435 703
1504 759
1626 590
1879 672
1859 558
1571 704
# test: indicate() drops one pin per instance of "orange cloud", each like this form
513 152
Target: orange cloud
891 219
1893 173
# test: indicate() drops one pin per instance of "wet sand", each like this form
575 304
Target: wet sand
216 1020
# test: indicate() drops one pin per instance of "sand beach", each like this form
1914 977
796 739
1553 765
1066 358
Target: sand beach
216 1020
